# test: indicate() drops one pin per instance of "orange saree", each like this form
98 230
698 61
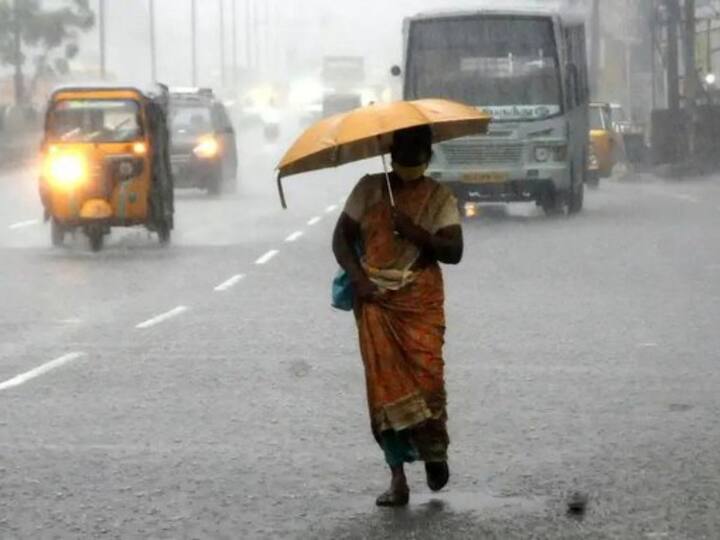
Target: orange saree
402 332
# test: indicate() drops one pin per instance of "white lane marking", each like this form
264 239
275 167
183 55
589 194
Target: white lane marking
330 209
267 257
294 236
314 221
23 224
648 345
685 197
162 317
41 370
224 286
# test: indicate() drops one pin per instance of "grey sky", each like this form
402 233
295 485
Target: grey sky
290 37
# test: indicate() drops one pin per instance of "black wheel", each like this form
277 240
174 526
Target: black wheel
230 185
164 233
96 235
577 199
214 185
553 203
57 233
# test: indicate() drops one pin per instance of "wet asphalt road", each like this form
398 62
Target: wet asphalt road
582 355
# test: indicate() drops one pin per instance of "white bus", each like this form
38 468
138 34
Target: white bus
528 69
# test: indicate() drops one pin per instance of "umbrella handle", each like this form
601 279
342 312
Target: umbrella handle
387 177
281 191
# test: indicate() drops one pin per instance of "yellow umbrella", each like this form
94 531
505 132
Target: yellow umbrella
368 131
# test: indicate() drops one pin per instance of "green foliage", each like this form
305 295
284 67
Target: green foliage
48 34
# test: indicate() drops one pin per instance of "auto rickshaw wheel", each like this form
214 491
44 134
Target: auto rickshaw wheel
593 179
164 233
57 233
96 235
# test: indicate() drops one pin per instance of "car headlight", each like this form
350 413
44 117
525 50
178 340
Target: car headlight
66 171
207 148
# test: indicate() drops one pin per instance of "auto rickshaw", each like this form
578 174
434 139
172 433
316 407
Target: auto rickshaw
105 162
604 141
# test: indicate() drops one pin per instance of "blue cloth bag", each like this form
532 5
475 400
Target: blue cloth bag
343 293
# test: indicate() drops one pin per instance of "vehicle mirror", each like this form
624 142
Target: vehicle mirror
395 71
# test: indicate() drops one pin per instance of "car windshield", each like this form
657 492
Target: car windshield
95 120
618 114
505 64
190 119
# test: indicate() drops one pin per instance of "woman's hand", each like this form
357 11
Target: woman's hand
407 229
365 290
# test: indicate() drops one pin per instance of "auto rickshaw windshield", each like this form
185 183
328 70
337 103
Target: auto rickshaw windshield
599 120
95 120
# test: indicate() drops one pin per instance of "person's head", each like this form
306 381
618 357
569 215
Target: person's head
411 152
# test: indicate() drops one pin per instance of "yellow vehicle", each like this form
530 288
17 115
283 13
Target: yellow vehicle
105 162
603 141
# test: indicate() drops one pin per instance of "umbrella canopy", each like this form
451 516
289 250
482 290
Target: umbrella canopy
368 132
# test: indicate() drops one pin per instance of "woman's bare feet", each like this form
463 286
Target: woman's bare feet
399 492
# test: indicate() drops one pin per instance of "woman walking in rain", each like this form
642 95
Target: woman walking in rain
403 231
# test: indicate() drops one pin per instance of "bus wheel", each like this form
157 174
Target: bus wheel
57 233
577 199
553 203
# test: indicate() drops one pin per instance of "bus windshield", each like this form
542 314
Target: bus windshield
505 64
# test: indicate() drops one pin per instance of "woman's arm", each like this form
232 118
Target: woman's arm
345 238
445 246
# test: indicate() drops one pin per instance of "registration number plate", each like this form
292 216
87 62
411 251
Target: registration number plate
485 178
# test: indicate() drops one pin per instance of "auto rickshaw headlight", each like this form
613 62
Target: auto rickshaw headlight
207 148
140 149
67 170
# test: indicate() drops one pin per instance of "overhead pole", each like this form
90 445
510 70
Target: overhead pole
248 34
19 80
653 47
193 40
101 28
691 85
153 50
595 47
221 13
234 46
673 53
